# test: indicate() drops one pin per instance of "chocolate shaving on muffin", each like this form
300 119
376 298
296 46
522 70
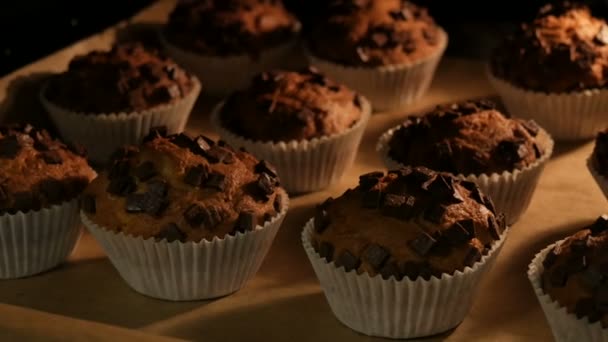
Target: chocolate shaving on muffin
125 79
303 104
411 222
564 49
576 272
374 32
38 171
180 188
470 137
230 27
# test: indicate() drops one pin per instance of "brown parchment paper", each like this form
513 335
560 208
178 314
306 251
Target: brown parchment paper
86 299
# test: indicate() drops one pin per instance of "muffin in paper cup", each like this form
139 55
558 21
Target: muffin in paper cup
398 309
565 326
36 241
567 116
306 165
102 133
183 271
389 86
511 191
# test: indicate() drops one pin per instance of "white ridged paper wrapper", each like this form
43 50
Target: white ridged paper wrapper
307 165
511 192
102 133
601 181
37 241
566 116
181 271
390 86
224 74
398 309
566 327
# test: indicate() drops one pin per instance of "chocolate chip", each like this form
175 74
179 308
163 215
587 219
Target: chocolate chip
217 154
171 232
265 167
472 257
195 175
376 255
208 217
493 227
89 205
371 199
601 37
53 190
146 202
422 244
170 71
348 260
401 15
592 278
122 186
512 151
334 88
194 215
487 201
391 205
420 175
9 147
278 203
265 186
182 140
51 157
459 232
435 213
158 187
155 132
145 171
550 259
600 225
586 307
326 251
245 222
369 180
391 269
119 169
531 126
203 144
321 220
442 188
215 181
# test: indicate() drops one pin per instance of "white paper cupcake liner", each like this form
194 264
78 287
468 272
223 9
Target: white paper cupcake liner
567 116
398 309
36 241
566 327
307 165
180 271
387 87
102 133
511 192
224 74
601 181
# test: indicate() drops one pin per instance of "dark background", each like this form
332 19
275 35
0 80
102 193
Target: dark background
31 29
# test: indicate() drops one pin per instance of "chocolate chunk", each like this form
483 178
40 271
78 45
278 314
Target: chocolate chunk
376 255
550 259
435 213
53 190
422 244
420 176
146 202
472 257
512 151
194 215
122 153
371 199
245 222
182 140
202 144
392 205
391 269
9 147
586 307
401 15
208 217
278 203
334 88
158 187
119 169
321 220
326 251
88 204
487 201
195 175
369 180
493 227
601 37
531 126
348 260
265 186
411 270
215 181
600 225
592 278
145 171
265 167
51 157
170 71
122 186
217 154
155 132
459 232
442 188
171 232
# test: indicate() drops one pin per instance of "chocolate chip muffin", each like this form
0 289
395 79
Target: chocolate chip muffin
470 137
38 171
411 222
127 78
304 104
178 188
563 49
230 27
575 272
372 33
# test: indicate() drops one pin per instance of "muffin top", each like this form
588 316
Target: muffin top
178 188
470 137
230 27
125 79
412 222
37 171
576 272
600 152
371 33
304 104
564 49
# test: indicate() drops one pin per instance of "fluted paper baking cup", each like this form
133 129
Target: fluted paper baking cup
566 327
387 87
36 241
181 271
398 309
102 133
601 180
307 165
567 116
224 74
511 192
